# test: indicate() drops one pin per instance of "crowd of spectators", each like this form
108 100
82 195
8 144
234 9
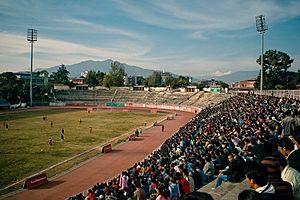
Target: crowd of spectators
244 137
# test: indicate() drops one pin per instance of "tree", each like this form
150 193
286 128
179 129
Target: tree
223 85
200 86
181 82
61 76
91 79
11 88
275 71
100 77
107 81
154 79
170 81
117 74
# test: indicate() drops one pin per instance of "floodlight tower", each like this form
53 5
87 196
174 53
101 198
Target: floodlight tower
31 37
261 28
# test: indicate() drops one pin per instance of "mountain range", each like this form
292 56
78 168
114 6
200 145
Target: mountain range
105 66
233 77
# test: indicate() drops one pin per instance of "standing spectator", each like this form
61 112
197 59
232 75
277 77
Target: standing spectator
296 119
123 180
295 138
286 148
288 124
162 128
292 176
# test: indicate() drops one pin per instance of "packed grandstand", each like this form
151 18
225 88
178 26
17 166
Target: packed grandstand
243 138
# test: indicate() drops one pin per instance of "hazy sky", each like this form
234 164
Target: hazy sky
186 37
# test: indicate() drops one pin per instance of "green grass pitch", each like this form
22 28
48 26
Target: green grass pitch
24 145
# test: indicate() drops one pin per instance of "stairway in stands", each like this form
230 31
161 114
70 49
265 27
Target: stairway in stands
227 191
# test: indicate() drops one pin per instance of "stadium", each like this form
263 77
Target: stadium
44 119
187 139
149 100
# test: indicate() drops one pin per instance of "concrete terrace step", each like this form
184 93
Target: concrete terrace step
227 191
233 194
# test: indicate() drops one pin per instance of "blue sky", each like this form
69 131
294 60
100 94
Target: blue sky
185 37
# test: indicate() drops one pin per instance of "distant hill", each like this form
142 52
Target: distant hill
103 66
234 77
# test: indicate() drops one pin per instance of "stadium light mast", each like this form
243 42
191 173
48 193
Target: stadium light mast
31 37
261 28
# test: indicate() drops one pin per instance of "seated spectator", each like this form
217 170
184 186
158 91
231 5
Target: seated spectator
174 189
190 179
234 173
197 177
257 151
286 148
198 196
208 169
91 195
163 193
250 195
80 196
139 193
256 178
130 195
184 185
272 163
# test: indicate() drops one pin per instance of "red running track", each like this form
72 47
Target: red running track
107 166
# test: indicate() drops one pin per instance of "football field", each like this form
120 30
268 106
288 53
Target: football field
24 136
